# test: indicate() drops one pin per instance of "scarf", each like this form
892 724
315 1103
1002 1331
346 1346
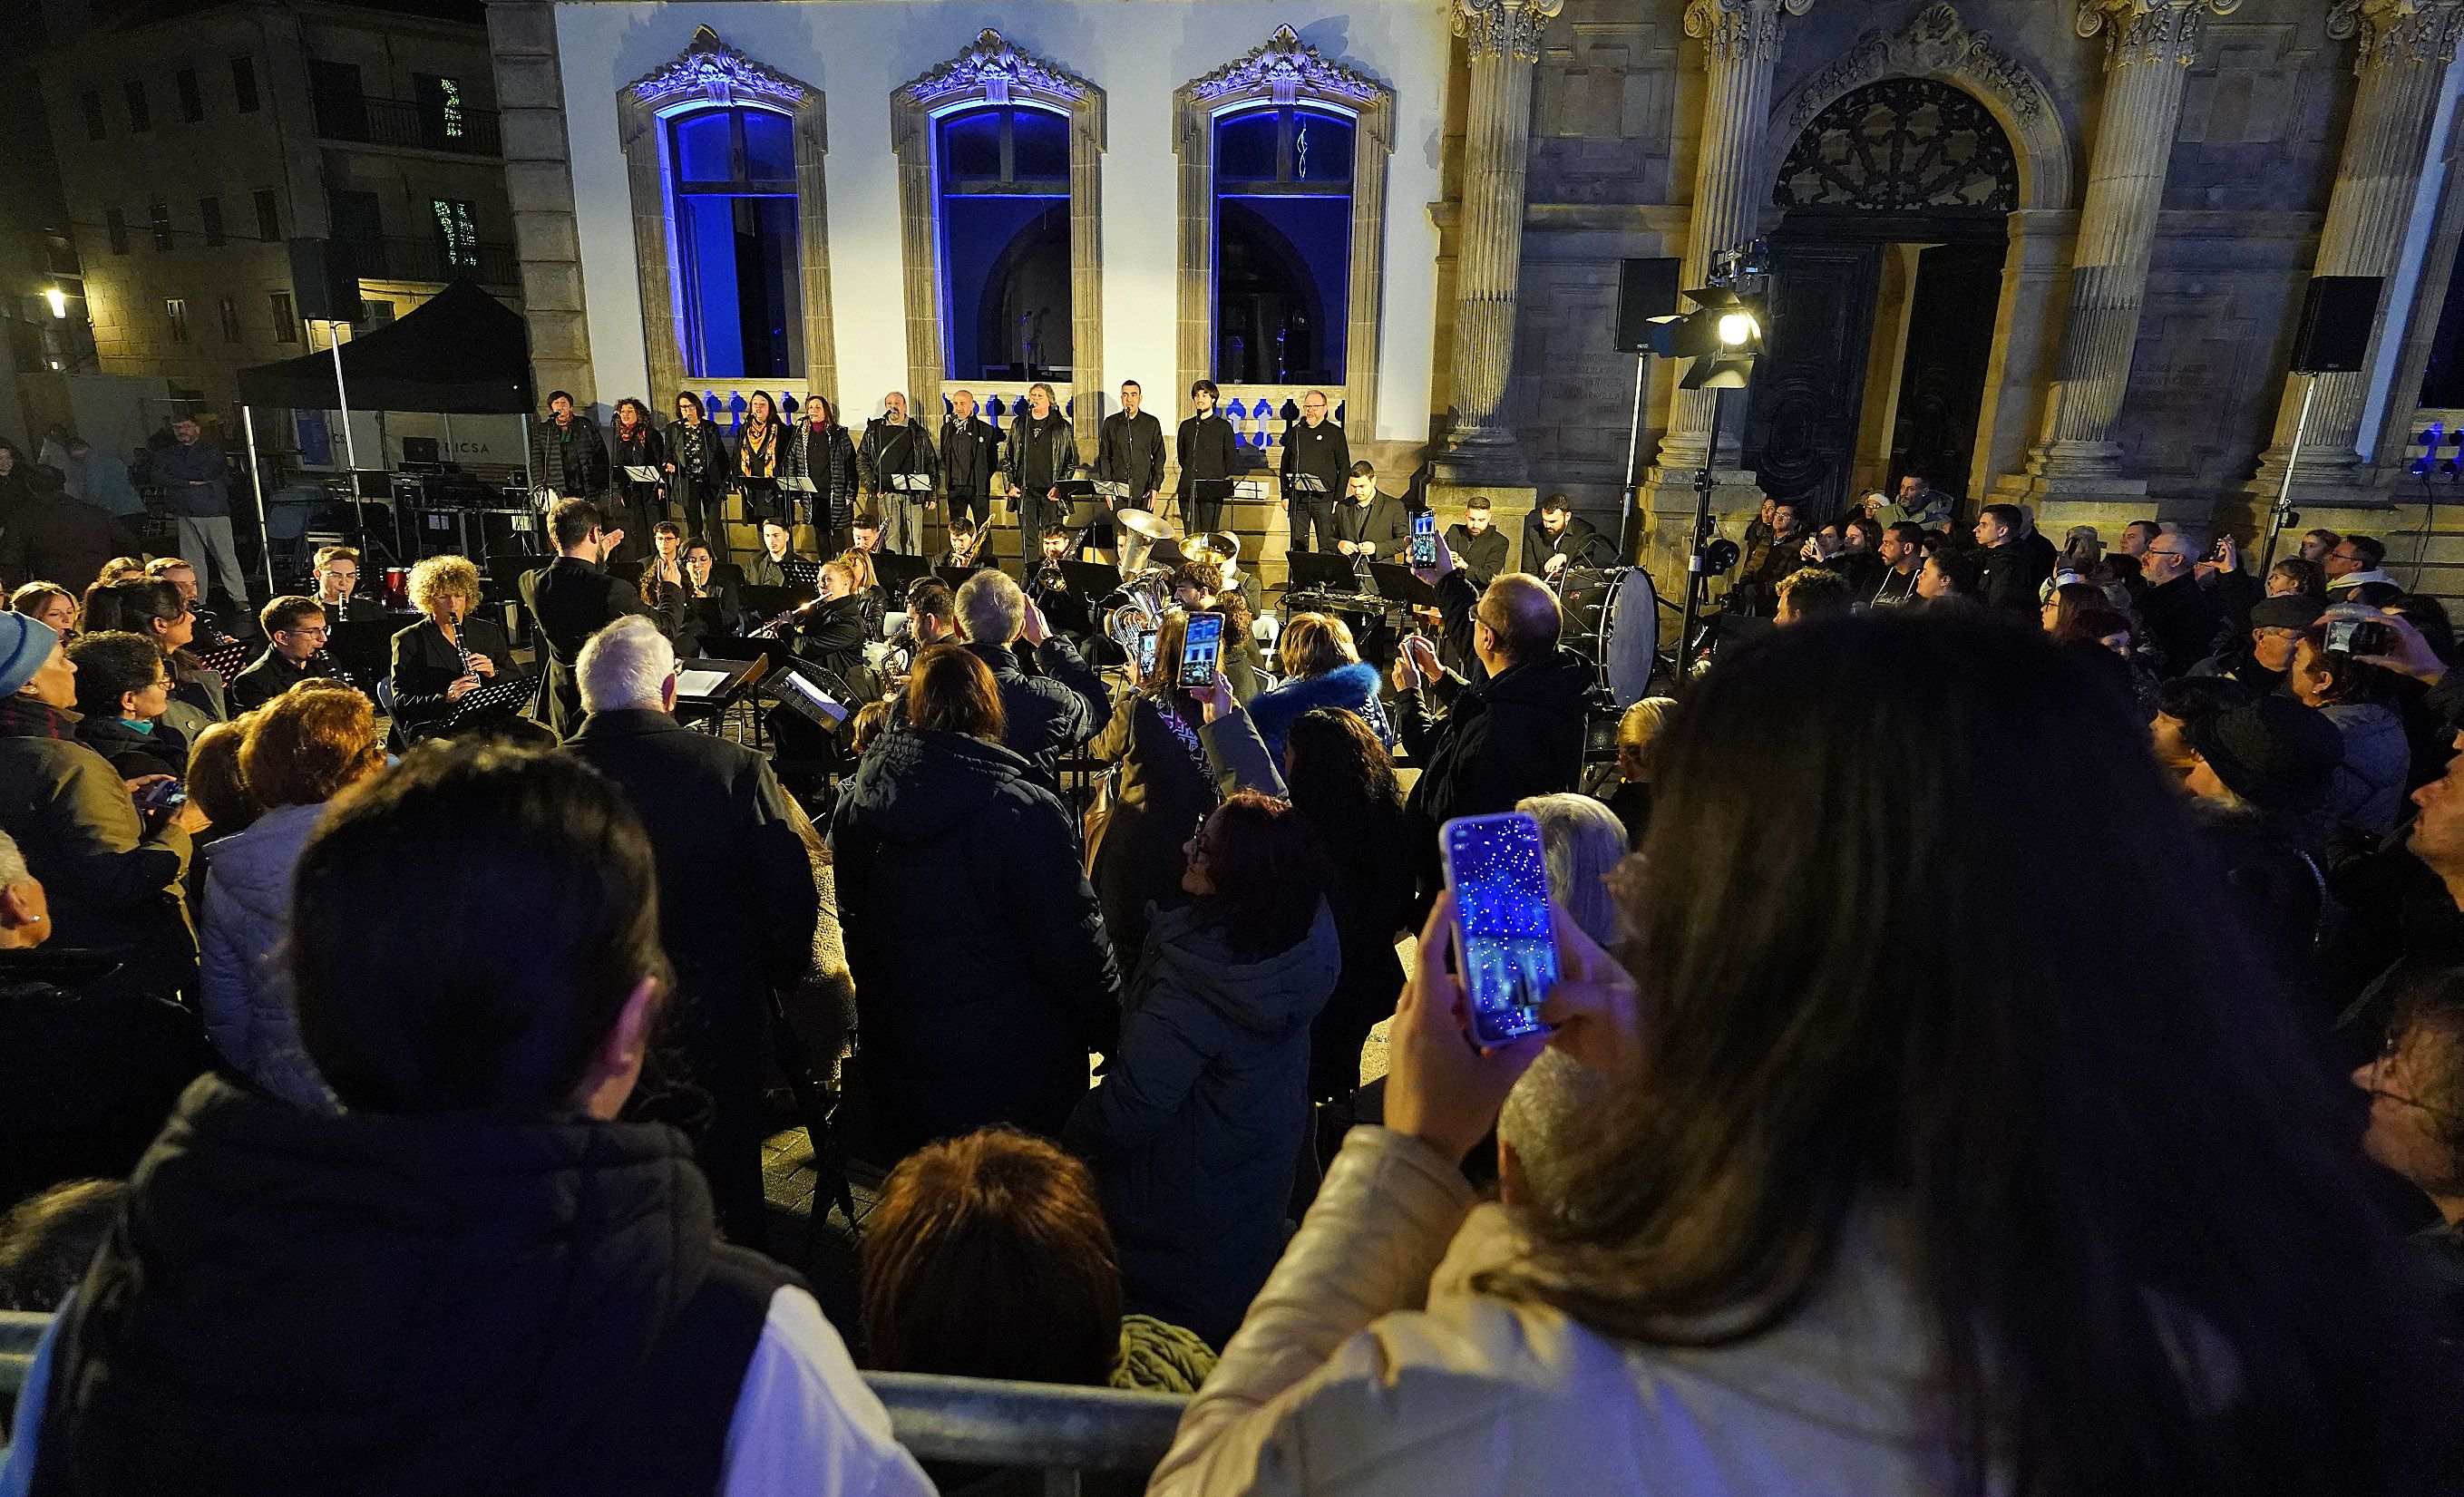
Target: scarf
24 717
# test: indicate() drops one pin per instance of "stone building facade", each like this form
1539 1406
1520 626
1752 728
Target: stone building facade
2048 251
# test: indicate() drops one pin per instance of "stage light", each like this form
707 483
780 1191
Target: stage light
1737 329
59 301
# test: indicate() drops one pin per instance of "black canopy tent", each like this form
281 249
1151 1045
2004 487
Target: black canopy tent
461 352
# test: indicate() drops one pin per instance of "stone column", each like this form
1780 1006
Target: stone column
1503 38
2406 46
2149 47
1741 45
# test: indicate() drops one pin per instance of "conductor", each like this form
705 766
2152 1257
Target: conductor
574 598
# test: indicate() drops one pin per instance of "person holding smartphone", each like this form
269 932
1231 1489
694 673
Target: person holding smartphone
1162 783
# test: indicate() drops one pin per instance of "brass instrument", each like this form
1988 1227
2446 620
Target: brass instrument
1219 548
1140 603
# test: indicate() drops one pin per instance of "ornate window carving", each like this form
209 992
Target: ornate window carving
1898 145
998 190
730 229
1268 145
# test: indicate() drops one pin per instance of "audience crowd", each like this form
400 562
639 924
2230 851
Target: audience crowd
391 1056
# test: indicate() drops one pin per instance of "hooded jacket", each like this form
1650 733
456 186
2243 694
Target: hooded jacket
383 1305
1195 1131
981 966
249 1015
2367 791
1352 688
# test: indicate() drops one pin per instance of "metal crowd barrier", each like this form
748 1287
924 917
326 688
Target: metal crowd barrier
1065 1432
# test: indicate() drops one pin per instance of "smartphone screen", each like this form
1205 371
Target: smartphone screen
2339 634
1424 540
1147 639
1201 650
1510 949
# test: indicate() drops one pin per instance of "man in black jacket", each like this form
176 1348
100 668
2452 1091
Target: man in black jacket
295 647
338 575
1044 715
1317 462
895 452
2181 617
1041 455
970 451
1370 526
567 453
737 899
1129 452
1477 544
56 537
1209 452
1554 539
1512 727
574 598
2007 575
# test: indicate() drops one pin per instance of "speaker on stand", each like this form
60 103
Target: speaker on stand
1646 289
2332 337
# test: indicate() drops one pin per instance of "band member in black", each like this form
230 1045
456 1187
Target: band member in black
1370 526
1554 539
778 565
711 606
1041 454
1048 587
970 453
1317 461
337 579
832 632
822 454
1128 452
964 556
1209 451
697 464
1477 544
894 454
574 598
448 655
663 576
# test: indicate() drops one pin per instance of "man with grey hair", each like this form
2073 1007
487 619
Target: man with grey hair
736 898
2181 617
1042 715
897 465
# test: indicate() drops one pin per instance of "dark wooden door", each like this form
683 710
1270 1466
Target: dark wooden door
1800 434
1950 347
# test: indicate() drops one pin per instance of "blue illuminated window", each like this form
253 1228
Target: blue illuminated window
1004 198
734 172
1283 245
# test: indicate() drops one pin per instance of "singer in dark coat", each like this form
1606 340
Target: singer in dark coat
1210 452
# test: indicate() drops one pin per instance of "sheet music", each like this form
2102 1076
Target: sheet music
798 484
641 473
699 683
1307 483
228 659
912 482
505 692
1107 487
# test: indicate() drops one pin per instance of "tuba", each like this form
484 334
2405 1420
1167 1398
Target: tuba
1140 603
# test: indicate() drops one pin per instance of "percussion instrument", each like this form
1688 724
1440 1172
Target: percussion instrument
1629 636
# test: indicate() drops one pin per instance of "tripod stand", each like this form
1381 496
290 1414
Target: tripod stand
1697 574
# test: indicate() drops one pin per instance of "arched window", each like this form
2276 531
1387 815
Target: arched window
734 174
1004 180
1283 245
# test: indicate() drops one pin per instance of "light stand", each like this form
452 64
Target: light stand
1626 532
1698 577
2283 513
1723 337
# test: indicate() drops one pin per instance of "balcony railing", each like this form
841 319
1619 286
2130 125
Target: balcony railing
1063 1432
424 259
399 121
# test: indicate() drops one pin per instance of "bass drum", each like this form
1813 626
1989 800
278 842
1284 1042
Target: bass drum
1630 636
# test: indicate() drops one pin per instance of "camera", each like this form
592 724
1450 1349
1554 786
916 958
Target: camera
2359 637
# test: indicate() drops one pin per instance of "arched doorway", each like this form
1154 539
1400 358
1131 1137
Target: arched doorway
1886 275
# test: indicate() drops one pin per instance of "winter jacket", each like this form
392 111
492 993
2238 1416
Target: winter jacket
133 749
1039 454
197 477
970 454
825 456
247 1009
2181 622
2006 578
699 451
199 698
1516 735
2367 791
1198 1125
112 885
572 460
59 540
1352 688
1165 787
981 972
905 448
1046 715
409 1305
91 1063
1372 1365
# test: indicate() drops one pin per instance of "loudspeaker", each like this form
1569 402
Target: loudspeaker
1646 289
2337 315
324 281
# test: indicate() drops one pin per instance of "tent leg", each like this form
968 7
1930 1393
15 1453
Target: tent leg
343 398
256 480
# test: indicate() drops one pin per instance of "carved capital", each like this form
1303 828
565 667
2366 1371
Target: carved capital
1505 28
1285 68
2396 32
1935 44
2150 32
1740 31
711 70
994 69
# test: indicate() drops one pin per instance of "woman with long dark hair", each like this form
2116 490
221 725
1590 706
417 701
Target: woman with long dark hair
761 454
821 451
633 443
697 467
1162 785
1897 1194
1198 1125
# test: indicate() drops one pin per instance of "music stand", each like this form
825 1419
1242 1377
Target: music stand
1075 492
509 692
1307 483
798 483
1210 491
1093 580
641 472
769 653
365 647
797 692
1324 570
957 576
894 571
1401 584
706 687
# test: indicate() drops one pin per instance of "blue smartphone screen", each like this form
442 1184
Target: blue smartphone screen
1147 640
1201 648
1424 540
1510 949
